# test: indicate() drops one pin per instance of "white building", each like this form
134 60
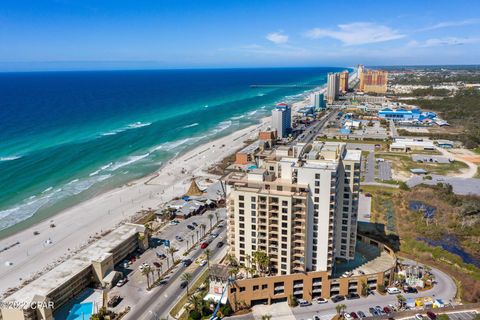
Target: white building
282 120
333 87
318 100
300 208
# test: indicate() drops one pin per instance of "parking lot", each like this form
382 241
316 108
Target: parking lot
467 315
135 288
384 170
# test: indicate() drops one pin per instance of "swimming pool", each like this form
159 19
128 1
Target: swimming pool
81 311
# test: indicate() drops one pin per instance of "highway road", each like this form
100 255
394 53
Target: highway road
315 128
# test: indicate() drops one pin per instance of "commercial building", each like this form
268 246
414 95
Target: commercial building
333 87
404 145
282 120
374 81
91 266
300 208
399 114
318 100
344 81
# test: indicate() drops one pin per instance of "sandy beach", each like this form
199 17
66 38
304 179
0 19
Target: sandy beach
76 227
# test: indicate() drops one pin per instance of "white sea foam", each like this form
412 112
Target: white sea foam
49 196
168 146
130 126
130 160
238 117
190 125
10 158
251 113
205 106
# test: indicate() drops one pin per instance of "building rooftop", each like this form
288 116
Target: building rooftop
353 155
68 269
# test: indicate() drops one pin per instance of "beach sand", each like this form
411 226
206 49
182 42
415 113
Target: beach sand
76 227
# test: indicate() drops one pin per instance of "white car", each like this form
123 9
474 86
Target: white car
203 262
347 316
393 290
320 300
418 316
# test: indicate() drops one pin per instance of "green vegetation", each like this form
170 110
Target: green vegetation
403 162
461 110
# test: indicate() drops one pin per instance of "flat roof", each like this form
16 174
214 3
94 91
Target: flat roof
353 155
250 148
68 269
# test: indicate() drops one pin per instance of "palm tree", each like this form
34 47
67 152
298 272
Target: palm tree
187 244
262 260
196 303
203 227
249 264
340 308
198 239
193 240
186 277
216 216
210 217
207 255
231 260
146 273
172 250
266 317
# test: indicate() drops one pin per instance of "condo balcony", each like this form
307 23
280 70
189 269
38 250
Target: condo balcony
298 291
317 283
279 288
317 290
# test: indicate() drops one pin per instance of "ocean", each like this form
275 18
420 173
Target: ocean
67 136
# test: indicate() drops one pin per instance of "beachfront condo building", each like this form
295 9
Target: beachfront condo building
318 100
344 81
300 207
282 120
374 81
333 86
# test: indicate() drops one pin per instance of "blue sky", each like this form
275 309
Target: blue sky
116 34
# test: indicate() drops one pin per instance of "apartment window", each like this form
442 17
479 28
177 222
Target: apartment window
284 266
345 209
284 217
317 175
255 287
284 232
342 253
254 227
242 245
254 199
242 252
316 199
284 239
264 286
348 167
241 205
242 289
241 219
241 211
284 246
284 203
272 168
317 183
314 248
344 234
233 290
279 188
254 213
344 228
254 220
315 206
284 225
284 260
254 248
344 240
241 198
241 225
346 202
253 206
344 221
254 234
317 191
284 253
343 247
284 210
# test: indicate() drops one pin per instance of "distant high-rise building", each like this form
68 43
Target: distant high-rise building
360 70
344 81
374 81
282 119
333 85
318 100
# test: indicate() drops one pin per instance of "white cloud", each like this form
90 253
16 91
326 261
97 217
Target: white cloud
277 37
447 41
357 33
448 24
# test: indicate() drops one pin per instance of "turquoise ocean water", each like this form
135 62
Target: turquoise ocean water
67 136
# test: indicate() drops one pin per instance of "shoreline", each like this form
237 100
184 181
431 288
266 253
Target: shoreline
74 229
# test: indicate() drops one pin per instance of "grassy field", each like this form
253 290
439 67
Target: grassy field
403 162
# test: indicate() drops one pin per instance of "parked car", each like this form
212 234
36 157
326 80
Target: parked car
174 222
121 282
393 290
189 226
431 315
220 244
183 284
163 282
195 224
315 317
387 310
352 296
361 314
354 315
203 262
114 301
156 264
180 239
320 300
337 298
379 310
408 289
347 316
186 262
304 303
161 256
418 316
372 311
204 245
